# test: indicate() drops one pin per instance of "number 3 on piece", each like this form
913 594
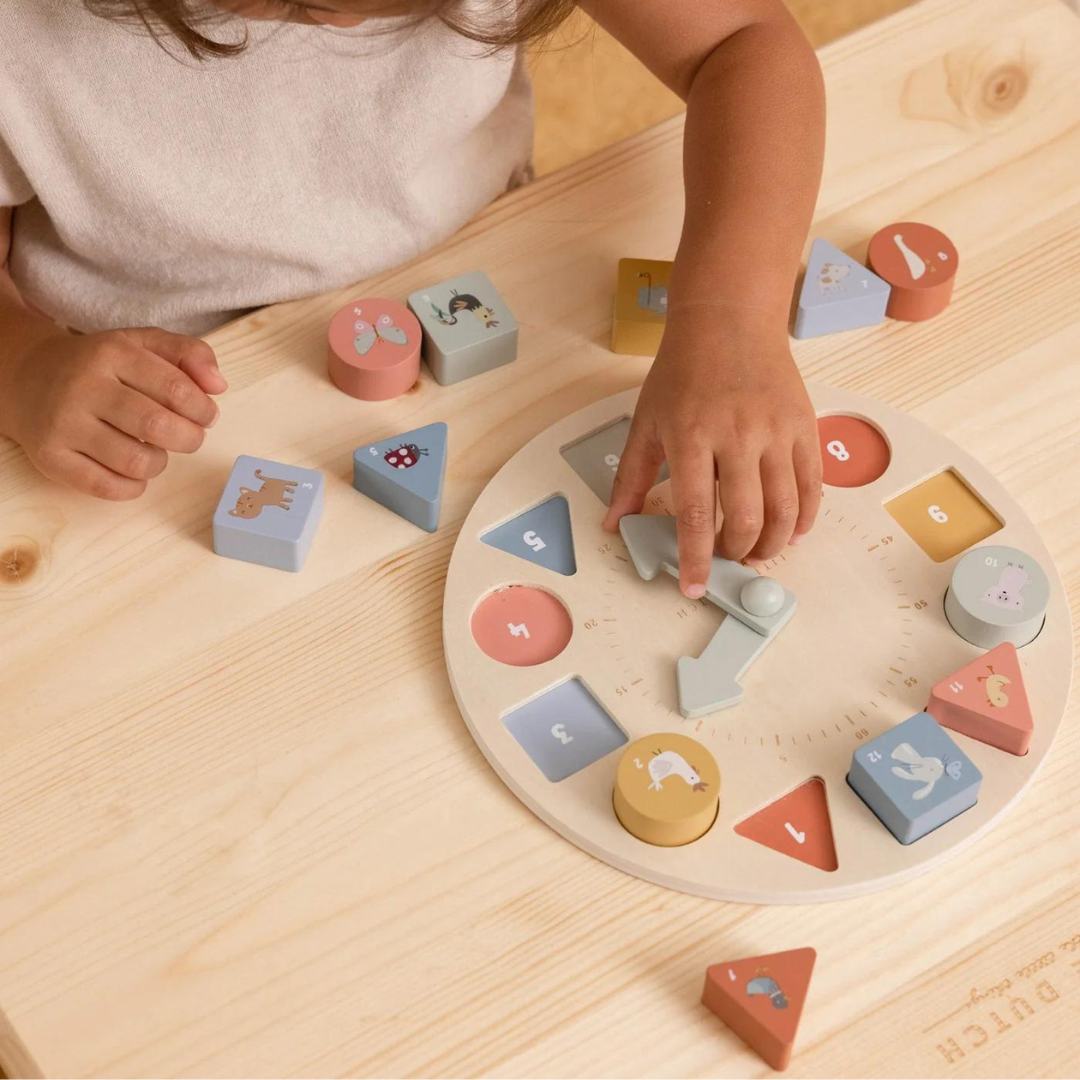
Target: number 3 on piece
838 450
937 514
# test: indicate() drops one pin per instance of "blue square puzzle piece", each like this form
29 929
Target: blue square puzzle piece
914 777
405 473
564 730
541 535
268 513
838 294
468 329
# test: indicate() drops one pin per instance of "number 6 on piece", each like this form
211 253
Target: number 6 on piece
937 514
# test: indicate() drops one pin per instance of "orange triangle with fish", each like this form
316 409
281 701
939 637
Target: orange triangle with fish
986 700
761 999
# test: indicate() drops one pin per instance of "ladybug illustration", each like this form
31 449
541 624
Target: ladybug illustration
405 456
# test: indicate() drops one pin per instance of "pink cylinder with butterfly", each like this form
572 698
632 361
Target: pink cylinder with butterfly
374 349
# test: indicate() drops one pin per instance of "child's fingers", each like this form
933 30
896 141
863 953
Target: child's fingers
123 454
80 471
638 466
191 355
807 462
741 502
157 379
780 503
144 419
693 490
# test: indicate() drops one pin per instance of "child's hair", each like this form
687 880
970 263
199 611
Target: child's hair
511 22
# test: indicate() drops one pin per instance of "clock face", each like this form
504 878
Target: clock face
565 661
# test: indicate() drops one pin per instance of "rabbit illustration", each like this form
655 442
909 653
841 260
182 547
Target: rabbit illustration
921 770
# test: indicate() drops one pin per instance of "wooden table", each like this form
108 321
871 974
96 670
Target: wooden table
243 830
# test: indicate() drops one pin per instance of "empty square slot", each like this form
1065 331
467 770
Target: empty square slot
943 516
596 458
564 730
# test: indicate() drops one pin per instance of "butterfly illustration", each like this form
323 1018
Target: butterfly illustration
384 329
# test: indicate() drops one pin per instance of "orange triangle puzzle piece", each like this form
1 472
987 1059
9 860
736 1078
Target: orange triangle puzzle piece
761 999
797 825
986 700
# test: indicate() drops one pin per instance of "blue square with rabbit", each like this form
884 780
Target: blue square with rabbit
914 777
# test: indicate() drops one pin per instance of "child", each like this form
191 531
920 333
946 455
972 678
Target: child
260 150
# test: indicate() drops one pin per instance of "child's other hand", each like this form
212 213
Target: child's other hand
101 413
728 407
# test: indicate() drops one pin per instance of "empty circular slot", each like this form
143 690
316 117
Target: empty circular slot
521 626
853 451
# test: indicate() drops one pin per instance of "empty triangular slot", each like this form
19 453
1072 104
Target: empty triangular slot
797 825
541 535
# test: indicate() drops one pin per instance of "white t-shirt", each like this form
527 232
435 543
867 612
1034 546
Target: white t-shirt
152 190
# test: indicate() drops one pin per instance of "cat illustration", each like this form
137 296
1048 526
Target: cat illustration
272 493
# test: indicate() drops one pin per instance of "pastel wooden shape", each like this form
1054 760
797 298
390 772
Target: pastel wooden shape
595 458
997 594
268 513
943 516
986 700
467 327
667 789
853 452
564 730
710 681
797 825
641 296
405 473
919 262
761 999
374 349
541 536
521 626
838 294
914 778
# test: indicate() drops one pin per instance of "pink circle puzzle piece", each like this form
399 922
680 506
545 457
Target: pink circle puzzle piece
374 349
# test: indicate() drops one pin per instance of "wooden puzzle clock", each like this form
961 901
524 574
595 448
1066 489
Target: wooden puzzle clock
823 724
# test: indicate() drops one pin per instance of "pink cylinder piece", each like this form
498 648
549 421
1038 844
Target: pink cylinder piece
374 349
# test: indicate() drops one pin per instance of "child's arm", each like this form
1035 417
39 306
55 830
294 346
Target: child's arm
99 412
724 399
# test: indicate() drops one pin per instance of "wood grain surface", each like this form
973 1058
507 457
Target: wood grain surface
243 829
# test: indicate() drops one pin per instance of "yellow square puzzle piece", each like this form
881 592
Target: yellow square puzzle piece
641 293
943 516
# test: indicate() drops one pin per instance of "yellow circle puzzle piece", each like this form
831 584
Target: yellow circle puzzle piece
667 790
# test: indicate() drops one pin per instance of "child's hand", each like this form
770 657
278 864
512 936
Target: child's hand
733 410
101 412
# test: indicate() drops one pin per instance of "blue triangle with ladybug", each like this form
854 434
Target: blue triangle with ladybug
405 473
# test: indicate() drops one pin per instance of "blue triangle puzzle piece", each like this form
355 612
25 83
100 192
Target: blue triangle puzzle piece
405 473
838 294
541 535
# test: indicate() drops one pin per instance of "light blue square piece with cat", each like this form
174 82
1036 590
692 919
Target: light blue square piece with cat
268 513
564 730
914 777
468 329
405 473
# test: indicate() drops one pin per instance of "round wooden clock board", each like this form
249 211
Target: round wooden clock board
563 661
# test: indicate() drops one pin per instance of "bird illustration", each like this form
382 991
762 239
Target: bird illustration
995 696
769 987
668 763
923 770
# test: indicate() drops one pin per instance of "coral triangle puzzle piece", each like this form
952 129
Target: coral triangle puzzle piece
986 700
405 473
796 825
755 612
761 999
838 294
541 535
